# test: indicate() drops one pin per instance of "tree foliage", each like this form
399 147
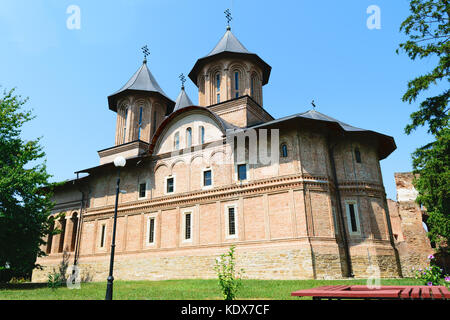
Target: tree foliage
24 190
428 31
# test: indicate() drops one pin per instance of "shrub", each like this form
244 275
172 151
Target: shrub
432 275
229 278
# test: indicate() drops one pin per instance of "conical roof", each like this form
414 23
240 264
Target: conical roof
182 101
229 45
142 81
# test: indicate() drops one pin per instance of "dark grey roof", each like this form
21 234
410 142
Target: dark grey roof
387 143
142 80
229 45
182 100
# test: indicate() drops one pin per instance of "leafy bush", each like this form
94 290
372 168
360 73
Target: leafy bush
432 275
54 280
229 278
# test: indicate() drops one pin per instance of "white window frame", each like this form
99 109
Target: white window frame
227 228
183 235
147 185
349 221
203 178
174 184
147 239
236 173
104 236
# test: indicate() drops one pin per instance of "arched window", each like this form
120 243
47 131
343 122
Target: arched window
154 123
357 155
125 124
236 84
218 80
255 87
188 137
284 151
176 141
140 123
202 135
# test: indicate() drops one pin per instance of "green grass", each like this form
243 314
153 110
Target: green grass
176 289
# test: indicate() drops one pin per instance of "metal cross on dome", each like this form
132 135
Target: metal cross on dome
183 80
146 52
228 15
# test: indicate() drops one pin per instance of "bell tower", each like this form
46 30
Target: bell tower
141 106
229 71
232 73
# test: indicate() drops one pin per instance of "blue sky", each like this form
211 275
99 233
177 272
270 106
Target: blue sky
319 50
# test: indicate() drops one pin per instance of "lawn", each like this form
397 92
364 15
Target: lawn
176 289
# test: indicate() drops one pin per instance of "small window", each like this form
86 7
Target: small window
357 155
188 137
284 151
218 98
187 226
236 83
207 178
352 216
154 123
202 135
170 185
242 172
140 123
176 141
151 230
231 221
125 125
142 190
102 236
218 82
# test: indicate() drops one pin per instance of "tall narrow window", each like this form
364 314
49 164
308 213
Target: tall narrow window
231 221
218 87
102 236
236 83
170 185
207 178
140 123
125 125
252 87
187 226
154 123
357 155
188 137
202 135
284 151
352 216
142 190
176 141
151 230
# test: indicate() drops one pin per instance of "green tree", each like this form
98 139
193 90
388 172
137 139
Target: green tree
428 31
229 278
25 193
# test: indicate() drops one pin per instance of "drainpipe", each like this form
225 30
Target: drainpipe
340 211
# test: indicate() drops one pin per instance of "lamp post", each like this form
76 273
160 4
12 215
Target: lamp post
119 162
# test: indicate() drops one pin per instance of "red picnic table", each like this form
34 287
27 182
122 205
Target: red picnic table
382 292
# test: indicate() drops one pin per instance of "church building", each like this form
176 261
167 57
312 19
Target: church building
319 211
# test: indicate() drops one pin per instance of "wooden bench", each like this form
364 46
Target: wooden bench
383 292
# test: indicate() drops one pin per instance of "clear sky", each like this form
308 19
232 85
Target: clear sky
321 50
